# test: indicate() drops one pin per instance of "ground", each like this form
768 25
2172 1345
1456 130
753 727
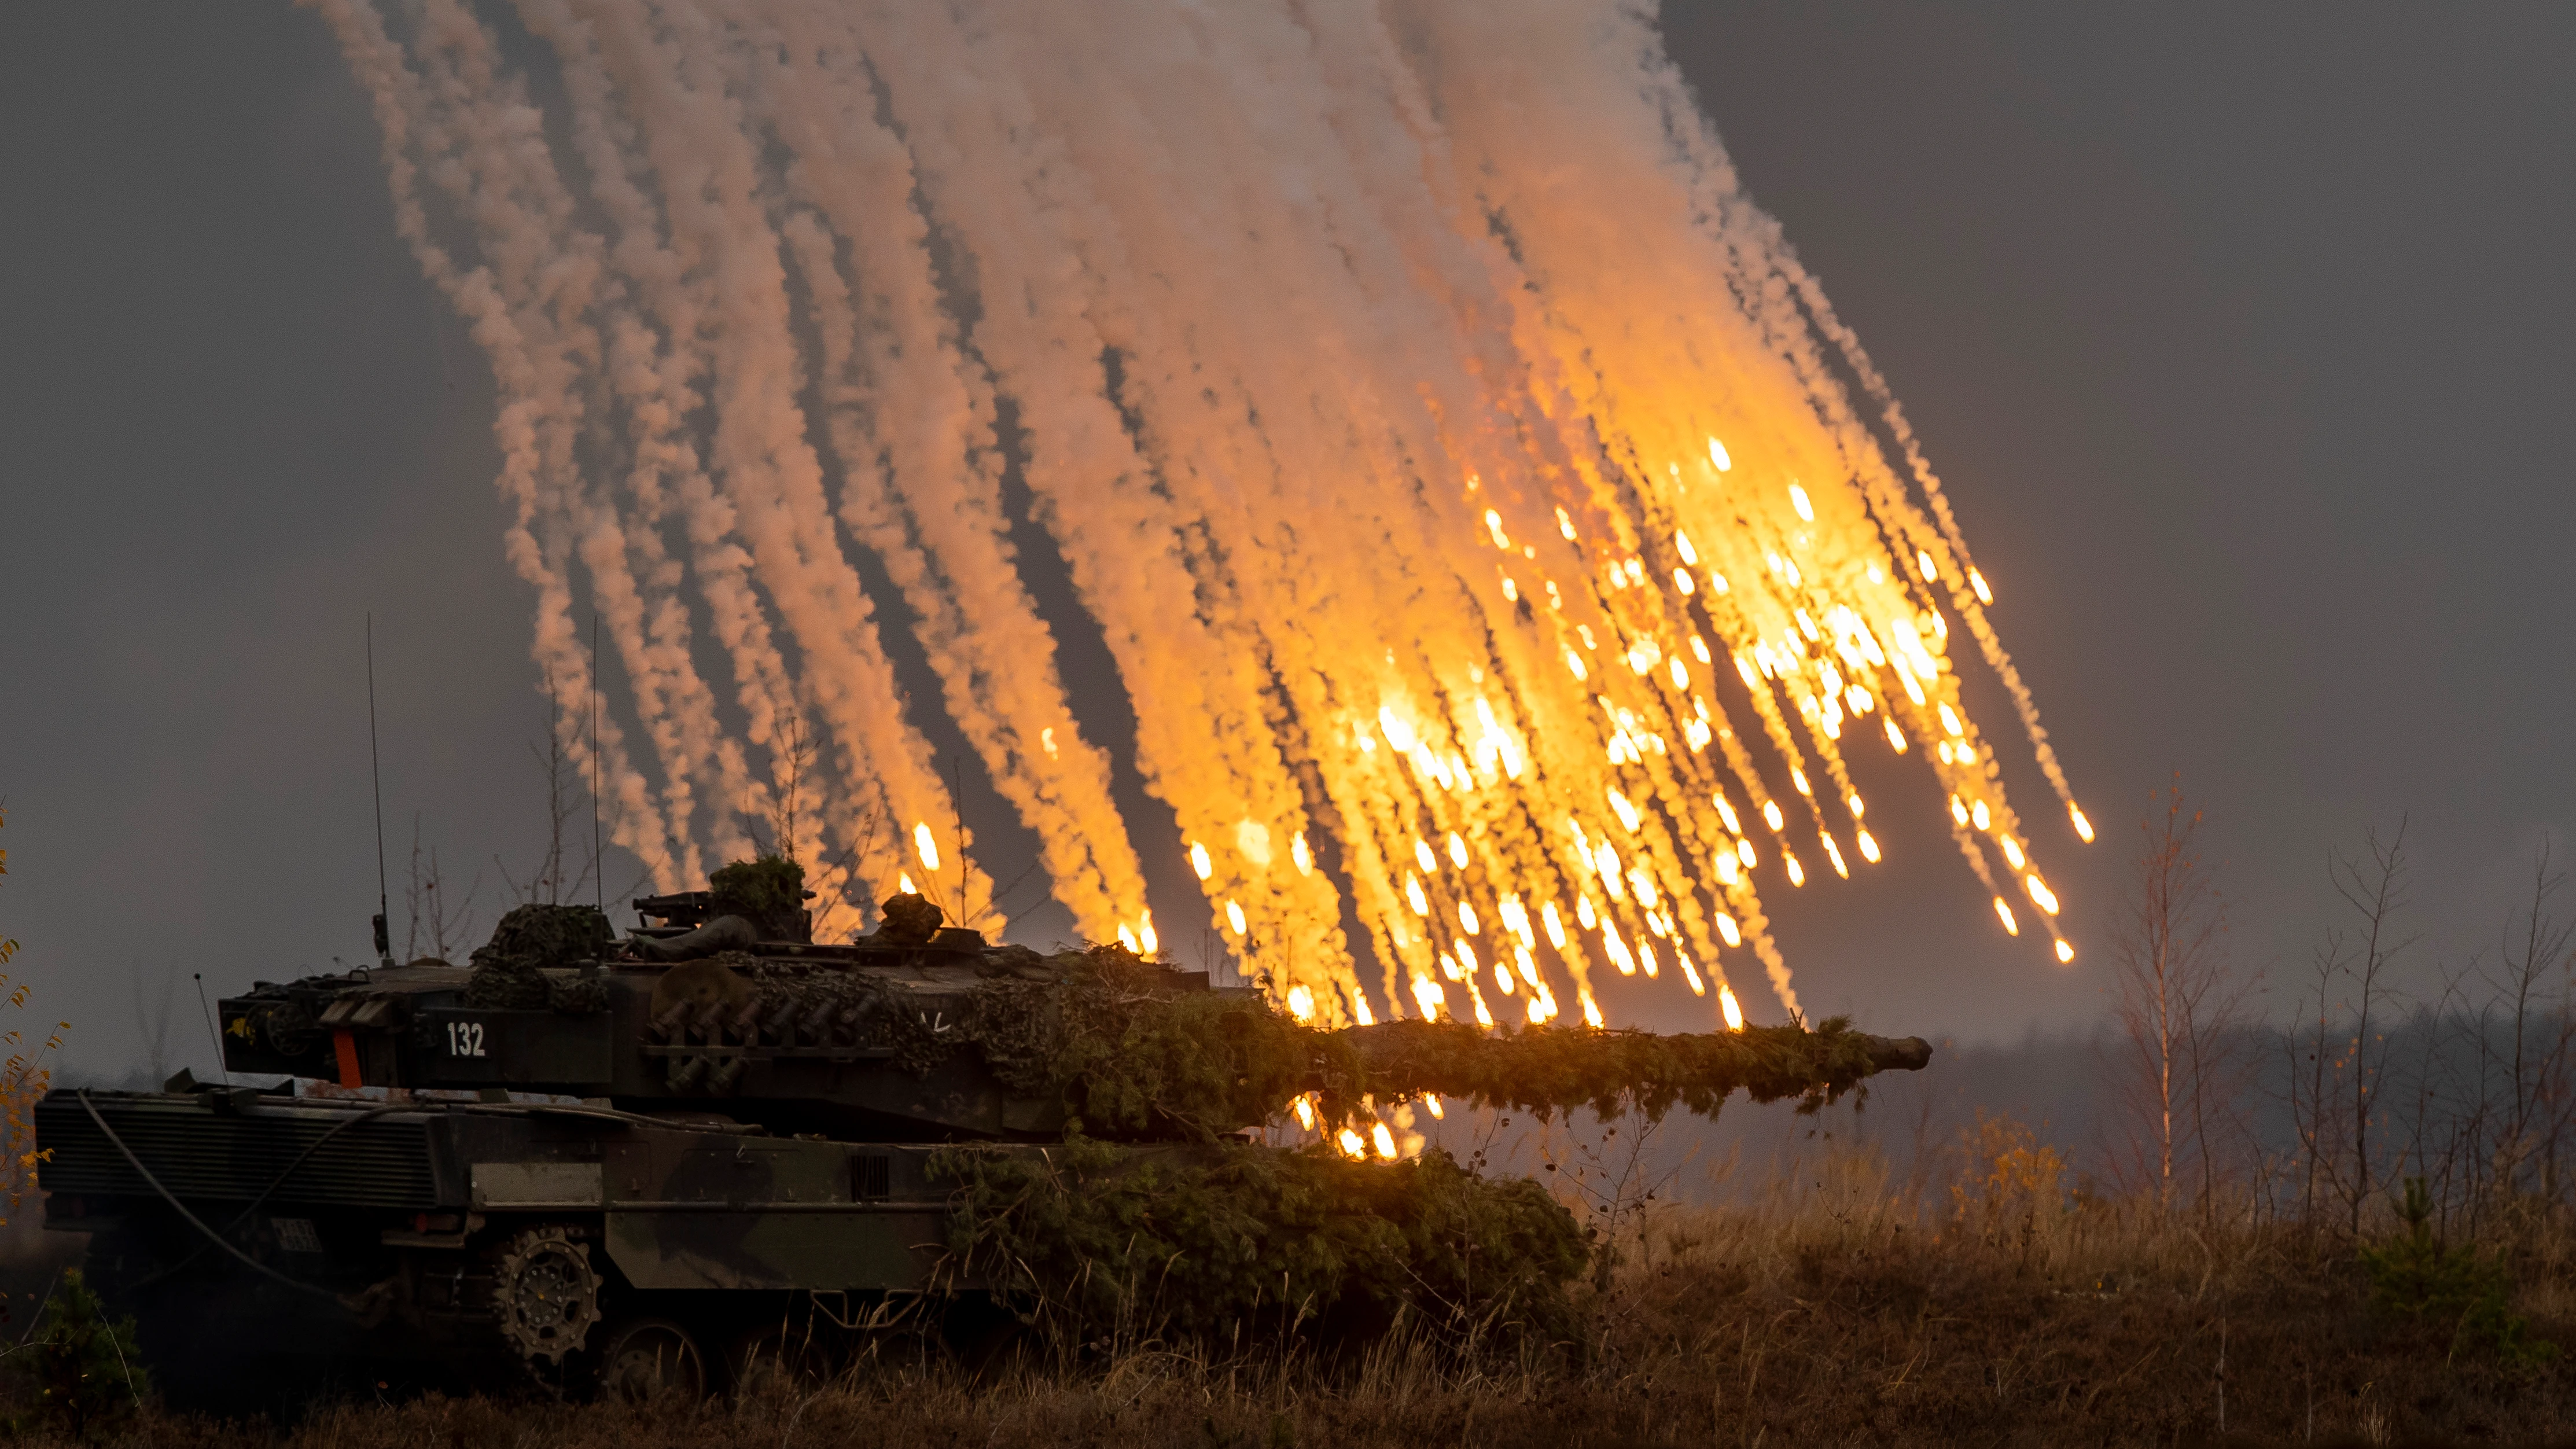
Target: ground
1851 1316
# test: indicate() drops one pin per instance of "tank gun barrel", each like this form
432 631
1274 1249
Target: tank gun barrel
1549 1069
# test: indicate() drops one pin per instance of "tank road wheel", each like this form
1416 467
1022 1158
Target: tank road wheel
545 1295
644 1358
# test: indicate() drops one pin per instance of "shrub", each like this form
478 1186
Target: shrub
83 1370
1209 1242
2414 1276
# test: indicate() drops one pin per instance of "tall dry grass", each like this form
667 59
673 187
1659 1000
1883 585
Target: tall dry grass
1842 1304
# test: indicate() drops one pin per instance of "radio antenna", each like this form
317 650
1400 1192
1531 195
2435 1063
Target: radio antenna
213 1035
598 866
376 774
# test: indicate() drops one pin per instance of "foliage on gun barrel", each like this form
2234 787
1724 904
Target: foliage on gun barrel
1552 1068
1132 1061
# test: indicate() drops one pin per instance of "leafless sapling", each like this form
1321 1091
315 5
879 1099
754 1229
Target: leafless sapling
2373 884
553 881
152 1024
2533 963
2181 1006
440 924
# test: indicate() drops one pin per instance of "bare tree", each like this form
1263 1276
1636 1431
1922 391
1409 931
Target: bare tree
440 924
24 1077
2527 968
2312 1080
2471 1090
793 752
962 907
2338 1052
152 1024
976 917
844 882
556 878
2374 884
2444 1114
2181 1005
8 947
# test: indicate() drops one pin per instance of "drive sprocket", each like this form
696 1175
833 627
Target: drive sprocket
545 1294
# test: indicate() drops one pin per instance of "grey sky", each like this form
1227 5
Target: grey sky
2238 341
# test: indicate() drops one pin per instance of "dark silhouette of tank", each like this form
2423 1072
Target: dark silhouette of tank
671 1159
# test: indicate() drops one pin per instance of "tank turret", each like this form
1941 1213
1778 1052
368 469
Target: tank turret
718 1000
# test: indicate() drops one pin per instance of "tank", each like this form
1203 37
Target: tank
598 1163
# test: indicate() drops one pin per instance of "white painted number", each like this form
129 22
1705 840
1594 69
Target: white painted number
465 1038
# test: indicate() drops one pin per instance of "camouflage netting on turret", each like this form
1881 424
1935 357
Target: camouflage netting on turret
1211 1242
1130 1058
531 940
752 999
768 892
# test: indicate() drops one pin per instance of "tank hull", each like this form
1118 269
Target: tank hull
422 1239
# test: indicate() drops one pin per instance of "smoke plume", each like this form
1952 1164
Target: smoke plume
1460 469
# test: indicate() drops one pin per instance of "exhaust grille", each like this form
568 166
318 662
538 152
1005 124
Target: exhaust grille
871 1176
226 1157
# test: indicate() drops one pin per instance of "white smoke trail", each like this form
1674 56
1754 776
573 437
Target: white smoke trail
904 408
535 362
769 558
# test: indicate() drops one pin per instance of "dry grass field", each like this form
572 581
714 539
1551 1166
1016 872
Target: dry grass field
1845 1310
